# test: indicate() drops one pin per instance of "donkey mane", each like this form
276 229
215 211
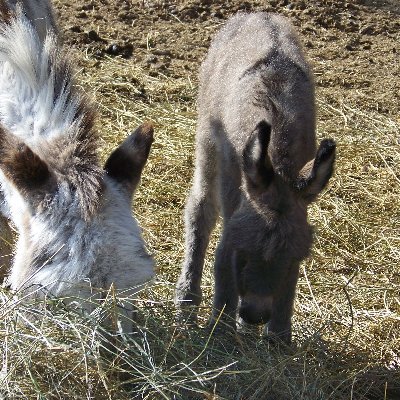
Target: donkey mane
280 74
41 105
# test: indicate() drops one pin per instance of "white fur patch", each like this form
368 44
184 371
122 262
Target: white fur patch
28 106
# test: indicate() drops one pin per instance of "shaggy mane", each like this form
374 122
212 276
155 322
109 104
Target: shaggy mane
40 104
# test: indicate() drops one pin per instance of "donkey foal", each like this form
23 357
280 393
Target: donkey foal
76 231
256 160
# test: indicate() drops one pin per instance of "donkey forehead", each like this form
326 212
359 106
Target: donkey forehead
62 223
273 254
270 236
79 191
282 195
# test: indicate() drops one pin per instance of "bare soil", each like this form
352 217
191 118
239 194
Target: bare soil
354 45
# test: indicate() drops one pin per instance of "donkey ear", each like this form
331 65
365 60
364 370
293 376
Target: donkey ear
126 162
315 175
257 165
25 169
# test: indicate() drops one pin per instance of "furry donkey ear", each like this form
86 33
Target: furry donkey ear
126 162
315 175
25 169
257 165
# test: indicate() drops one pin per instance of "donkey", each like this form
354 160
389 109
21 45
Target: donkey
256 161
76 231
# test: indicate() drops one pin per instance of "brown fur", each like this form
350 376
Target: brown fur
80 162
5 13
25 169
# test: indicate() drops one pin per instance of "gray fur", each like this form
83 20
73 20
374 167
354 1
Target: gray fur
255 149
76 232
40 14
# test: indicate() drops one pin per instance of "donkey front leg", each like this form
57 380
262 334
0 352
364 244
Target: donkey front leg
226 295
227 260
200 217
280 324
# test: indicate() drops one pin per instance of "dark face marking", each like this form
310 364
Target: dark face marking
255 287
266 248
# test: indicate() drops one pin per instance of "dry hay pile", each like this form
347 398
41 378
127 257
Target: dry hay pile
347 312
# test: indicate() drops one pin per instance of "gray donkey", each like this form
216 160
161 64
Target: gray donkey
76 231
256 160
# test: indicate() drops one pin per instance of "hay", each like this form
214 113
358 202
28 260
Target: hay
347 312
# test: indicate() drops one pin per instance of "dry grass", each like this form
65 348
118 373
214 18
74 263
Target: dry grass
347 315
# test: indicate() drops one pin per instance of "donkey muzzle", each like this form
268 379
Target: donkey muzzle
255 309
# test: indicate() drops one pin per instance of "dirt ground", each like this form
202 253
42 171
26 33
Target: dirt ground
354 45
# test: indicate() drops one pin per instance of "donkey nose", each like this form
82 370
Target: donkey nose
254 313
252 316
